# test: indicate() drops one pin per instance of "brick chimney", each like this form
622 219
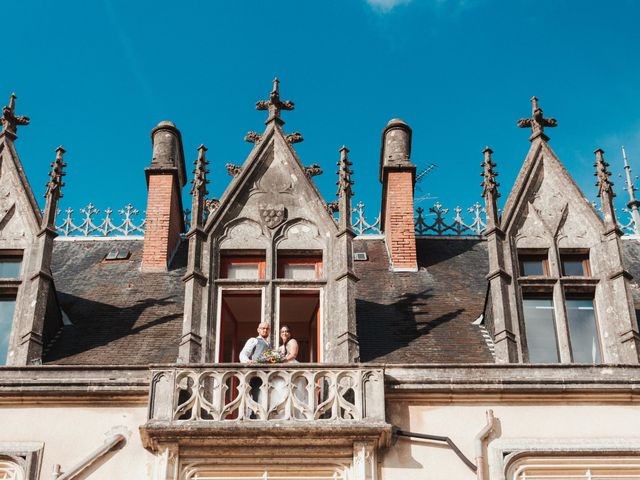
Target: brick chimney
165 178
397 175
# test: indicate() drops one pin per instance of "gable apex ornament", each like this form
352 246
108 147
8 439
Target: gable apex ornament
537 122
274 105
9 119
272 215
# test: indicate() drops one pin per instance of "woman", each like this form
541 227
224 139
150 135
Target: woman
289 347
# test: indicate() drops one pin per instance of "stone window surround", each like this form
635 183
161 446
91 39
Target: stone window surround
503 453
27 455
558 288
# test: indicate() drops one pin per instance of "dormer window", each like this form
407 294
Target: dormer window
583 330
533 264
10 264
540 325
10 273
575 264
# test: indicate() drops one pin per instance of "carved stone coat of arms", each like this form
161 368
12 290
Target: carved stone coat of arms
273 215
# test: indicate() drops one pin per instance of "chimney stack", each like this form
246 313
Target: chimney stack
397 175
165 178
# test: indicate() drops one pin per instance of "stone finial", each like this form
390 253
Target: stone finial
274 105
537 122
344 174
604 183
631 190
54 190
9 119
200 181
55 183
489 184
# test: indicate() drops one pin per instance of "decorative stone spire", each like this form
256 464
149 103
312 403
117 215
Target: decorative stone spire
490 188
537 122
605 189
9 119
199 188
274 105
54 189
631 189
345 192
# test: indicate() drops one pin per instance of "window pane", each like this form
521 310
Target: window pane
243 271
539 322
574 266
7 306
10 267
532 266
300 272
582 331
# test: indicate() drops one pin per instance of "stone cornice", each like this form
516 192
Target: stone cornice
466 382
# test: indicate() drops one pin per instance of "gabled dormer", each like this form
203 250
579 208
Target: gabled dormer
558 290
271 251
29 312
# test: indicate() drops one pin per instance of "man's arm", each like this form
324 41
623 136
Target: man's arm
248 349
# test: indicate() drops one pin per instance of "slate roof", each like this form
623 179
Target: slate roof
121 316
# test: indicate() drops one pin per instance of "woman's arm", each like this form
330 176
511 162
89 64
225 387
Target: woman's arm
294 350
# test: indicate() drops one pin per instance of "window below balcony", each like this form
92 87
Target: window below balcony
559 467
283 472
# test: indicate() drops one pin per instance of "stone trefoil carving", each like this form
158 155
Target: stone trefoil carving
233 170
273 215
9 119
537 122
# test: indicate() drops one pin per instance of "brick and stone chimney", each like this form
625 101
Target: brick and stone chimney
165 178
397 175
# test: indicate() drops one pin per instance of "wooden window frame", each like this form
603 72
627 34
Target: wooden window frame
292 259
582 256
541 256
227 260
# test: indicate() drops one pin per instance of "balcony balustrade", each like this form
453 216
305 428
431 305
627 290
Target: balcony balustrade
292 393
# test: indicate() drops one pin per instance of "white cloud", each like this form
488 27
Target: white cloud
386 5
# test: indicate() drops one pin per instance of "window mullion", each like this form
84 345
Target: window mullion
562 325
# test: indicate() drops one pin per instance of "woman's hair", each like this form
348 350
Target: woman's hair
285 326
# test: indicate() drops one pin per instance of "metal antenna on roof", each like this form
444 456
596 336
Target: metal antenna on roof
419 177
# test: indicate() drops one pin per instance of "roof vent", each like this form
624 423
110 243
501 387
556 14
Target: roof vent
360 256
117 255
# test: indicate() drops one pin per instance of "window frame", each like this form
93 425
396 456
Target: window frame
537 255
582 255
285 258
235 258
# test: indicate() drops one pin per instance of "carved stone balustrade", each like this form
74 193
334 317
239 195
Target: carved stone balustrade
236 404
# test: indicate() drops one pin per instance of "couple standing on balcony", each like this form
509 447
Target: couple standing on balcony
257 346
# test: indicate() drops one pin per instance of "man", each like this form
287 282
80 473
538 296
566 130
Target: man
251 352
256 346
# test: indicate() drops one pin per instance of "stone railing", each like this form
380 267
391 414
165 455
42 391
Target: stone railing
271 393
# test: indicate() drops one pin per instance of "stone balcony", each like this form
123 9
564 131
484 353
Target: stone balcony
230 404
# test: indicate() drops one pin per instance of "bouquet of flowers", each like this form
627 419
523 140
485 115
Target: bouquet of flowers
270 356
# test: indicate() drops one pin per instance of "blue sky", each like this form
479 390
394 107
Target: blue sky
97 76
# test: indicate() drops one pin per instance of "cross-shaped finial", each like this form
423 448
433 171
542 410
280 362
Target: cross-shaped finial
537 122
9 119
274 104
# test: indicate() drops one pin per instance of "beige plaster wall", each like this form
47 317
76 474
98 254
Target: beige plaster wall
70 433
572 424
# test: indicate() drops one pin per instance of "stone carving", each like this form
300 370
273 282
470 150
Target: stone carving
295 137
274 104
332 395
332 207
273 215
604 183
489 184
537 122
233 170
9 119
253 137
312 170
211 205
